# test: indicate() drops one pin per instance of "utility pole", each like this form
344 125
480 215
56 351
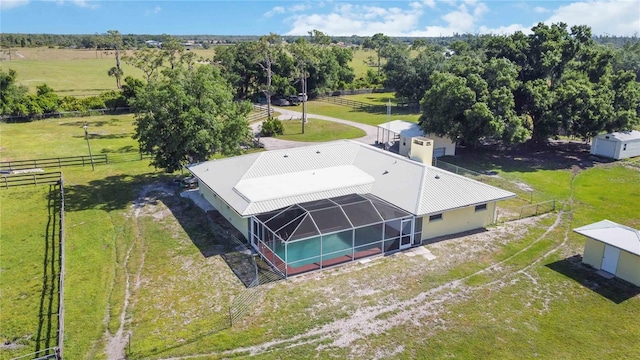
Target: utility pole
86 136
303 80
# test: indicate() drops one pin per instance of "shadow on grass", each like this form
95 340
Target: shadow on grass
114 192
614 289
46 336
124 149
99 123
522 158
94 136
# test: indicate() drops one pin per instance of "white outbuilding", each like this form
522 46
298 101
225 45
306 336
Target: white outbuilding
613 248
398 135
618 145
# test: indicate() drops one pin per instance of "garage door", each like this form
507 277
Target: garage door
610 259
438 152
605 148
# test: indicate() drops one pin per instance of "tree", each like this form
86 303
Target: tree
117 73
172 50
473 102
186 116
238 66
379 43
411 78
113 40
266 49
11 94
566 82
47 98
149 60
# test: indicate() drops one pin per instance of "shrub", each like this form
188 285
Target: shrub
272 127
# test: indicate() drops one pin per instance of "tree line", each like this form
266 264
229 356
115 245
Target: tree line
135 41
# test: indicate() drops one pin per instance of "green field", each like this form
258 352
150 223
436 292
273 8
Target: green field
347 113
316 130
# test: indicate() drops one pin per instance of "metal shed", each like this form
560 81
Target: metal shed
618 145
613 248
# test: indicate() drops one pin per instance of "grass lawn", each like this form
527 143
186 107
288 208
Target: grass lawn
374 98
65 137
72 72
347 113
515 291
81 77
316 130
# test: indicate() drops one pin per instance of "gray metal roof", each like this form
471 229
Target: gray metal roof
621 136
407 184
402 127
614 234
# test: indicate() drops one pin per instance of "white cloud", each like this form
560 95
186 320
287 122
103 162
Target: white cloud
615 17
541 10
84 3
461 20
447 17
81 3
274 11
505 30
10 4
299 7
348 19
429 3
153 11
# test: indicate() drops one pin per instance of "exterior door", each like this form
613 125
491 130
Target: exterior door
610 259
406 233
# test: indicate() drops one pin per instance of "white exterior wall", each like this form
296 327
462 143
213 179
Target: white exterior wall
614 148
458 220
443 142
405 146
627 149
240 223
438 142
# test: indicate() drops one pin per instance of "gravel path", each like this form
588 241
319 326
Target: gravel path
286 114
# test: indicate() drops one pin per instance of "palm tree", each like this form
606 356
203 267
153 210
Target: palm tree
117 73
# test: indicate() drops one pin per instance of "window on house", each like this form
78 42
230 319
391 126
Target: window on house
481 207
624 147
435 217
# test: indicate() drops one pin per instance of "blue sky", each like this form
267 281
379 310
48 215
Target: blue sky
354 17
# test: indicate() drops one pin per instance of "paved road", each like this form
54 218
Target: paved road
286 114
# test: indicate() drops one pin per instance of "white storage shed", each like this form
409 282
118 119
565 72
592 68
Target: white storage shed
618 145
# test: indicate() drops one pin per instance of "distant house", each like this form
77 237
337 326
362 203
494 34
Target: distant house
153 43
397 135
613 248
313 207
618 145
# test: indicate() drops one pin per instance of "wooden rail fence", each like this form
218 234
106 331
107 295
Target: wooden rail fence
361 105
43 178
83 160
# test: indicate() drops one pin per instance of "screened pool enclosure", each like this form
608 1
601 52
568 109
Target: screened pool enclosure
322 233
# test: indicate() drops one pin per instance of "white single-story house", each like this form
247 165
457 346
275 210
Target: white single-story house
617 145
320 205
397 134
613 248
